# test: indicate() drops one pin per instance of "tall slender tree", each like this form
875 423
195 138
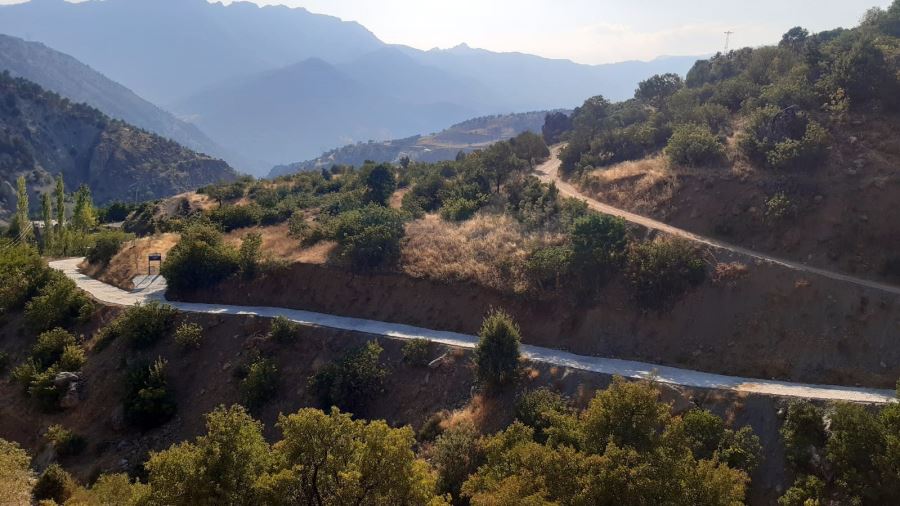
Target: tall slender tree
84 217
60 194
47 215
23 223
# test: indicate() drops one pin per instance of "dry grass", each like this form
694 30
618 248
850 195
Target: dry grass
730 273
132 260
644 184
396 201
277 244
490 250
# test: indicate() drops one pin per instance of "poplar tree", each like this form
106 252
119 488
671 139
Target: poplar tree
23 224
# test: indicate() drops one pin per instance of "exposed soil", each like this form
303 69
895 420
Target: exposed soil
769 322
132 260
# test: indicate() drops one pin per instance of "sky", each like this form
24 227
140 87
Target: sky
588 31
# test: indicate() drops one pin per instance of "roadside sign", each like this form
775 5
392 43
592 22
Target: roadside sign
156 257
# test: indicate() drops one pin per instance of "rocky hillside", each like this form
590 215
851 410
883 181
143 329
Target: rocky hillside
466 136
43 134
65 75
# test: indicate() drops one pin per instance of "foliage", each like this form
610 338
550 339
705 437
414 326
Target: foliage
542 409
142 325
784 139
55 484
51 346
22 274
368 237
598 243
694 146
109 490
352 381
249 255
22 222
260 384
459 209
189 336
106 244
547 266
380 183
658 88
497 352
778 207
555 125
456 455
64 442
58 303
16 477
530 147
233 217
200 259
84 216
417 352
662 270
283 330
148 400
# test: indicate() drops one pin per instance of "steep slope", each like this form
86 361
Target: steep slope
63 74
298 111
183 45
43 134
445 145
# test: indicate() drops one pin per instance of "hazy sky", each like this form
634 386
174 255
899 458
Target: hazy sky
588 31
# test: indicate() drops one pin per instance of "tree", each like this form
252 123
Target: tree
530 147
23 222
497 352
16 477
658 89
220 467
500 161
369 237
694 145
555 125
248 255
456 455
200 259
380 183
47 217
60 194
351 382
627 414
598 245
795 38
84 216
332 459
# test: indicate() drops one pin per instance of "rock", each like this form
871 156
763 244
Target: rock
64 379
853 140
226 366
883 365
72 398
851 172
864 217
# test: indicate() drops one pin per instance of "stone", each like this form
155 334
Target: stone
851 172
64 379
883 365
72 398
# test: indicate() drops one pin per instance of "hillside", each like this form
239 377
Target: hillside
466 136
796 158
66 76
43 134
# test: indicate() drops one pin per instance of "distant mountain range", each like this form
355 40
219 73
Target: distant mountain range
43 134
466 136
275 84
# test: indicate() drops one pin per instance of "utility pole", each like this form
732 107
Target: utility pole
728 35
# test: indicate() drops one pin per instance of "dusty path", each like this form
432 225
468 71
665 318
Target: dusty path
154 289
549 173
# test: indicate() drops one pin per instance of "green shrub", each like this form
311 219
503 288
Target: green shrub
540 409
72 359
662 270
22 274
142 325
352 381
456 454
417 352
50 346
694 146
803 433
148 401
199 260
189 336
106 244
459 209
425 195
59 303
284 330
784 139
369 237
260 384
380 183
598 244
548 266
64 442
235 217
497 352
249 255
54 484
806 491
778 207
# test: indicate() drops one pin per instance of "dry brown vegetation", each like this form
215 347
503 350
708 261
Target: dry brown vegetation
642 184
489 250
132 260
277 244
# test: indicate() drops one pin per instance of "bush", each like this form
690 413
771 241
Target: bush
16 476
803 433
694 146
148 401
598 243
497 352
540 409
380 183
417 352
59 303
50 346
235 217
662 270
260 384
283 330
784 139
546 267
22 274
54 484
456 455
369 237
64 442
459 209
142 325
189 336
106 244
199 260
352 381
249 255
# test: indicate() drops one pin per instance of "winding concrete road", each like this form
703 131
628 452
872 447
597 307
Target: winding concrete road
153 288
548 172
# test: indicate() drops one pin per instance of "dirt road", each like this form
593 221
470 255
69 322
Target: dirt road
154 289
549 173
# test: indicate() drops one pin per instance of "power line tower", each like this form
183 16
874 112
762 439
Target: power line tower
727 40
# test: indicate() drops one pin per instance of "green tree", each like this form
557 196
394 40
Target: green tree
500 161
200 259
351 382
22 223
84 216
598 245
380 183
456 455
60 194
369 237
16 476
54 484
657 89
530 147
694 145
332 459
497 352
220 467
249 254
47 217
627 414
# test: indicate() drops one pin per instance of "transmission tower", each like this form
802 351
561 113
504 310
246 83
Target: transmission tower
727 40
